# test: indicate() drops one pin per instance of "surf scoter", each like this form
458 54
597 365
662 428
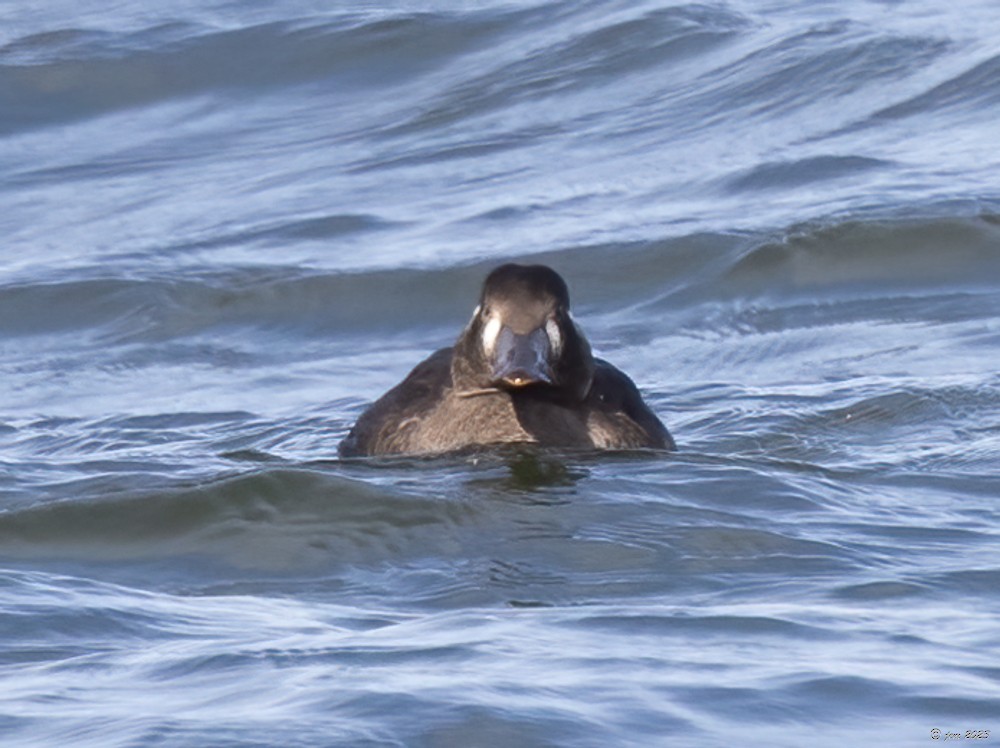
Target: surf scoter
520 372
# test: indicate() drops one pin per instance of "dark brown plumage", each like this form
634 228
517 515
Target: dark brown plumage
521 371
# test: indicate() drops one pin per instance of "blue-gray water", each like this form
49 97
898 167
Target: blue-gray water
227 226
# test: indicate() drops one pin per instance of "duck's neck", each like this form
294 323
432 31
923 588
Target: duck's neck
470 371
575 367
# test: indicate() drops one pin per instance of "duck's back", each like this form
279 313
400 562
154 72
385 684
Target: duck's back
620 417
386 426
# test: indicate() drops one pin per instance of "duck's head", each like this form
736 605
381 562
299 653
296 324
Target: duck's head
521 335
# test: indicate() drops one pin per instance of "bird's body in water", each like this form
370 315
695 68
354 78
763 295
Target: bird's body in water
521 372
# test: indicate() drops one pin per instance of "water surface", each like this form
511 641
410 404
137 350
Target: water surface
227 227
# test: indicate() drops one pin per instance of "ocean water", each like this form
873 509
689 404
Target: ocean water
228 226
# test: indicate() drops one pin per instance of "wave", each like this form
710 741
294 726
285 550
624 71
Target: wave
796 69
970 92
853 259
783 174
584 57
870 258
273 519
60 76
542 52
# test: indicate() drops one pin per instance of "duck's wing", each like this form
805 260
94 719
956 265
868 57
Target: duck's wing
382 429
613 390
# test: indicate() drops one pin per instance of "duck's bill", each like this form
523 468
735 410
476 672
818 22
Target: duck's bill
522 360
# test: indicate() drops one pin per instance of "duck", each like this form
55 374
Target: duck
521 372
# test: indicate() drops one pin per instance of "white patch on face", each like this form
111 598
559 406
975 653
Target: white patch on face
491 331
472 319
555 337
